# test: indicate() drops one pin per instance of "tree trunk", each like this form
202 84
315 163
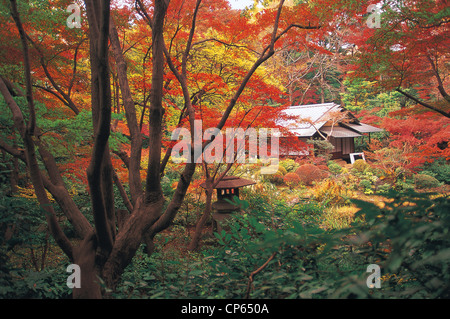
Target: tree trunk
206 214
84 257
148 207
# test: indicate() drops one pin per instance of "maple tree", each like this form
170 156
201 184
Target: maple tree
408 51
179 43
312 69
417 136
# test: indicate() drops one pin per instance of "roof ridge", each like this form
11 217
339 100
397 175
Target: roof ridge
313 105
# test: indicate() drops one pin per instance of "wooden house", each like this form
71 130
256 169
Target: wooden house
324 121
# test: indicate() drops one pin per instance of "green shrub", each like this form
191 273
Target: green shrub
322 148
334 168
428 173
440 170
410 234
365 184
384 188
360 165
422 181
166 185
289 165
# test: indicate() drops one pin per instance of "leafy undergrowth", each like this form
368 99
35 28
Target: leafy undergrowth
313 242
406 234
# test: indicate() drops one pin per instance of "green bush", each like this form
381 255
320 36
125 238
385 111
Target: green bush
289 165
422 181
409 237
440 170
334 168
322 148
360 165
384 188
298 259
365 184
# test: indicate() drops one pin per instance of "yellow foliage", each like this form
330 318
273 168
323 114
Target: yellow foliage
282 170
330 192
29 193
397 279
360 165
346 211
444 194
339 216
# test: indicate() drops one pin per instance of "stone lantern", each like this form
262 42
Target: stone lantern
227 188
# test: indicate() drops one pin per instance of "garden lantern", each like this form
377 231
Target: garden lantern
227 188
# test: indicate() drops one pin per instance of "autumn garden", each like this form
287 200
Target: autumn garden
92 92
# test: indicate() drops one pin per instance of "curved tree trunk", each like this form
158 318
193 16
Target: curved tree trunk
206 214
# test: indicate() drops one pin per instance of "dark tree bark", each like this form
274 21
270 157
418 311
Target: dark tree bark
99 172
148 207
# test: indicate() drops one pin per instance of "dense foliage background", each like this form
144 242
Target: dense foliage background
308 231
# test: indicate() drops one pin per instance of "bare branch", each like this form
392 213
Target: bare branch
27 71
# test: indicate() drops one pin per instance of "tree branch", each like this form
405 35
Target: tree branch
27 67
64 96
431 107
438 78
257 271
134 159
35 174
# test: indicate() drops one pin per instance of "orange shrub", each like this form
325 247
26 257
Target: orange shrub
292 180
309 173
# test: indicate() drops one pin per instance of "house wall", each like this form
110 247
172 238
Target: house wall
342 146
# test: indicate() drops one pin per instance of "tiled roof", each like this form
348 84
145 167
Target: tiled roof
314 113
339 132
362 128
307 119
